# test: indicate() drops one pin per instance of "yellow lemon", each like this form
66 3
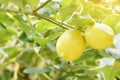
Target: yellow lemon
70 45
99 36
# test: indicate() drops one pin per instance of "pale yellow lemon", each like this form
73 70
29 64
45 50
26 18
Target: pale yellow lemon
99 36
70 45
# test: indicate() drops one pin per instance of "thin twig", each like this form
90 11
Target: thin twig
58 74
88 50
42 6
64 25
54 21
46 76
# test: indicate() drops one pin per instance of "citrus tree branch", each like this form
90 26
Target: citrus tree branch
42 6
61 24
58 74
88 50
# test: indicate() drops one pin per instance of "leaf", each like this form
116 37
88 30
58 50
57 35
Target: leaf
12 51
108 73
106 67
43 26
13 30
21 23
86 8
2 26
96 14
36 70
4 35
33 3
82 22
52 37
112 20
103 9
38 40
91 55
44 41
66 2
117 28
66 12
19 3
53 56
5 19
24 37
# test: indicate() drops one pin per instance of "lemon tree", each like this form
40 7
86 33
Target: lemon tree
59 39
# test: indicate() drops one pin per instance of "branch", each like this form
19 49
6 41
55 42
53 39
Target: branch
61 24
58 74
42 6
46 76
88 50
54 21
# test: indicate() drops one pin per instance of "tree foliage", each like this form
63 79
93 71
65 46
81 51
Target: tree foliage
29 30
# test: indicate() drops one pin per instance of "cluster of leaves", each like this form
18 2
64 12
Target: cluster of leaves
29 30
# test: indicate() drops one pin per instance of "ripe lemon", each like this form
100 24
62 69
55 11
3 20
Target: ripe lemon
70 45
99 36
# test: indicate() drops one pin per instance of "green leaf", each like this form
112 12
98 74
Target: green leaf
52 37
6 75
4 35
112 20
12 51
21 23
66 2
36 70
28 57
2 26
117 28
103 9
44 41
66 12
33 3
43 26
86 8
13 30
5 19
108 73
96 14
82 22
19 3
24 37
90 55
38 40
1 3
53 56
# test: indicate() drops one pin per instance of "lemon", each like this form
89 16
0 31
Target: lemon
99 36
70 45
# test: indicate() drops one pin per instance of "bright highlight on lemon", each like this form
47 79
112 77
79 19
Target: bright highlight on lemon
70 45
99 36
